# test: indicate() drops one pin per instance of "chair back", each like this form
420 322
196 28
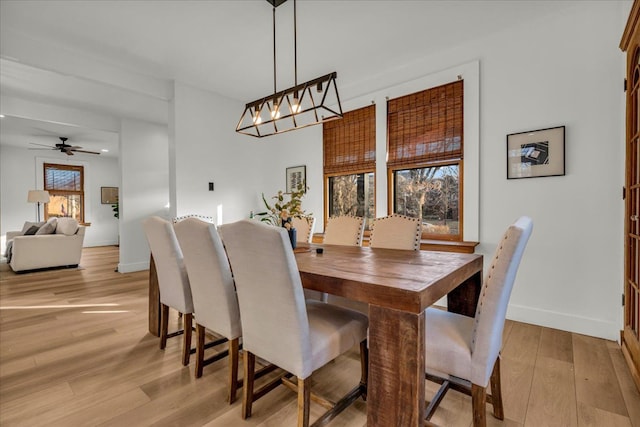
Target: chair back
172 276
214 295
344 230
494 299
396 232
272 305
304 228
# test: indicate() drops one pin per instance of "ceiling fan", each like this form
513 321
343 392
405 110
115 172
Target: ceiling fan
63 147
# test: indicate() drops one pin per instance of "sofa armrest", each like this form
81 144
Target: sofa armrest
11 234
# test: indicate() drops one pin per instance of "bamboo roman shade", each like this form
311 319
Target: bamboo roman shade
350 143
62 177
426 126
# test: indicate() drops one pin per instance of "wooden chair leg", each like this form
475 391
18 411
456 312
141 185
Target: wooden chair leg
364 368
233 369
304 401
478 403
496 391
200 335
186 350
247 386
164 325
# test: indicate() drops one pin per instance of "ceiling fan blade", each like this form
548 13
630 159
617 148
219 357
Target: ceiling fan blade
67 152
41 145
73 147
42 149
85 151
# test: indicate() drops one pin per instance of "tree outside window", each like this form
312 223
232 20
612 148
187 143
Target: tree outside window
352 195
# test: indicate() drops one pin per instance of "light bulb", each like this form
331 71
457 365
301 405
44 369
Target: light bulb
275 113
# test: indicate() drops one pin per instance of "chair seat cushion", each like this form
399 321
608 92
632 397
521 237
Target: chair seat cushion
448 342
333 330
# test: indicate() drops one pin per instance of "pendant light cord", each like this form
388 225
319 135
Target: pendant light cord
274 50
295 44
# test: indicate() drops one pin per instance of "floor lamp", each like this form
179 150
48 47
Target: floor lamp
38 196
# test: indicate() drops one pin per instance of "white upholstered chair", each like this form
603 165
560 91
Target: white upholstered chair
396 232
214 294
344 230
464 352
278 325
304 228
173 282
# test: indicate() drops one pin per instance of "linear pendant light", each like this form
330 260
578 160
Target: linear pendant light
302 105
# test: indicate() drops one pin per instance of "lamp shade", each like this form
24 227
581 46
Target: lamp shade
38 196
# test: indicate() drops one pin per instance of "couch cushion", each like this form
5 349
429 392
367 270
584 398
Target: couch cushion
49 227
28 224
67 226
31 231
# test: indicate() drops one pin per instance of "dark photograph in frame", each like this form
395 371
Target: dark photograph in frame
536 153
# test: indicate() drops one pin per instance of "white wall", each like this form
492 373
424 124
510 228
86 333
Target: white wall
144 168
21 171
565 69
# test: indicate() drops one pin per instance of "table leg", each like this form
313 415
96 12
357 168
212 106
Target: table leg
395 393
464 299
154 300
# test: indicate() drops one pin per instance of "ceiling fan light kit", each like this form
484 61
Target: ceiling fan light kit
302 105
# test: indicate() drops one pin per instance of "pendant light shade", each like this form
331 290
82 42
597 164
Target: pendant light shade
302 105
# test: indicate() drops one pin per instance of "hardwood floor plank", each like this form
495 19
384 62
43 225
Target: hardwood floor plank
596 380
66 367
630 393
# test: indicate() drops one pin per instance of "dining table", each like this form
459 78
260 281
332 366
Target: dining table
398 286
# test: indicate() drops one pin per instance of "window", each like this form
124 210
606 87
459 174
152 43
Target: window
65 184
425 137
349 164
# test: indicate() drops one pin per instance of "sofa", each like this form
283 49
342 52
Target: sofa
56 243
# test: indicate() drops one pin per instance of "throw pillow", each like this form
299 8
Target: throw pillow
31 231
28 224
67 226
49 227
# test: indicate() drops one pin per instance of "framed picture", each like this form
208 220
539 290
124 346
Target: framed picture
296 176
535 153
108 195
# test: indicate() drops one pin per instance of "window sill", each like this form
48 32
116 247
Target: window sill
425 244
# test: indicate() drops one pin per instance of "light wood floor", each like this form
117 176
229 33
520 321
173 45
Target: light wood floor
74 351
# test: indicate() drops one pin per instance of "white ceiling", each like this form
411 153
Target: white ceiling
119 57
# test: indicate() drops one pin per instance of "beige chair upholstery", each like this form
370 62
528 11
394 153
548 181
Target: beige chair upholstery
214 294
277 324
173 282
396 232
468 349
344 230
304 228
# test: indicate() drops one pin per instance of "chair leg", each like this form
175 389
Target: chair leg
233 369
247 386
200 334
478 403
164 325
364 368
186 350
304 401
496 391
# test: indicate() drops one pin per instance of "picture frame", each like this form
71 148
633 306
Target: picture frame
536 153
108 195
296 175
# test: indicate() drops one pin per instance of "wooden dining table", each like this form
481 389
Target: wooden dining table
398 285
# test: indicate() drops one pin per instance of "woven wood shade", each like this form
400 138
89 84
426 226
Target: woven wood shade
426 126
350 143
62 177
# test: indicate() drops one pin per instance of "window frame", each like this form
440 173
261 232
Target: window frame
326 194
406 166
55 192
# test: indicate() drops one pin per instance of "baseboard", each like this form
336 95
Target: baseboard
130 268
103 243
565 322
